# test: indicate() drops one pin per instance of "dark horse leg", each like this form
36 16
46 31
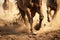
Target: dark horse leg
35 9
38 9
40 17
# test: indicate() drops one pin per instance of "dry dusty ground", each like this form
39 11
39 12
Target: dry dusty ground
53 35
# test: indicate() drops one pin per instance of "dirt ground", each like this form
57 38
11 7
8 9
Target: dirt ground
53 35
